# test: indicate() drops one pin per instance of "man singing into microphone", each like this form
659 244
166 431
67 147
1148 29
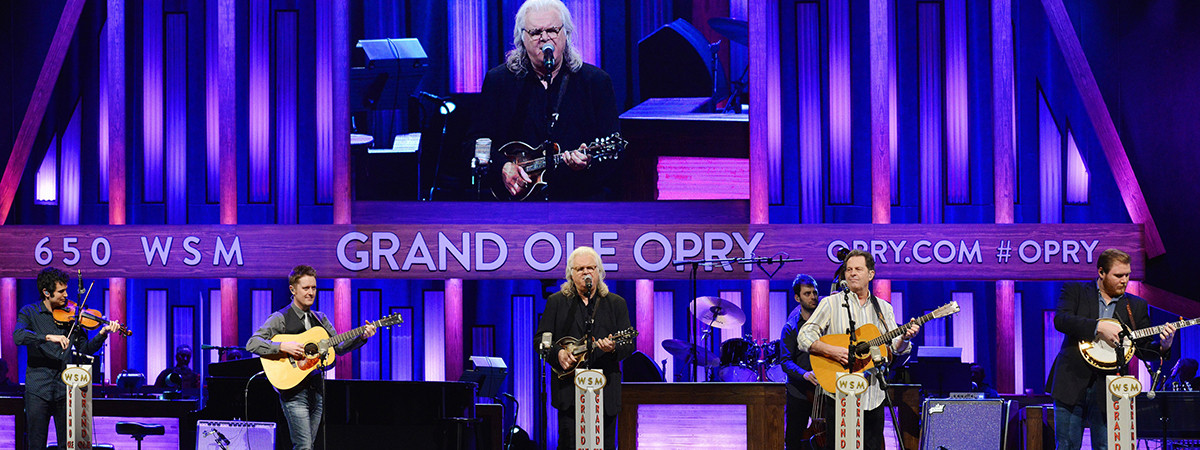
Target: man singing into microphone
544 92
584 308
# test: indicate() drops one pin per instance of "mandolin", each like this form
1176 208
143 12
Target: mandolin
579 348
535 161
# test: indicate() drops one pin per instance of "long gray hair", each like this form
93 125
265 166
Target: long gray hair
568 288
517 59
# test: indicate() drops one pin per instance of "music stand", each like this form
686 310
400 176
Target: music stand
487 372
939 371
1168 416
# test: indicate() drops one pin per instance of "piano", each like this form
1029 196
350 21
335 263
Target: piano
358 413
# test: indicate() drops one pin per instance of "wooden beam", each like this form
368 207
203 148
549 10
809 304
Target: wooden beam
1003 179
117 348
1165 300
1101 120
37 105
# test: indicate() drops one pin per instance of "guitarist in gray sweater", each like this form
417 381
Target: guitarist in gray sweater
583 310
303 405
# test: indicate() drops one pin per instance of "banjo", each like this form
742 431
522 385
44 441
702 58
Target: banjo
1102 356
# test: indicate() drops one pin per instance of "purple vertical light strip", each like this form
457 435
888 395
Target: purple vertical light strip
70 171
324 102
839 102
435 335
1049 164
880 134
1018 357
664 328
930 73
212 112
893 109
152 101
175 116
524 366
285 116
258 126
808 91
468 36
45 191
1052 343
369 354
402 346
958 189
260 306
1077 173
183 329
586 14
214 322
156 332
964 325
102 120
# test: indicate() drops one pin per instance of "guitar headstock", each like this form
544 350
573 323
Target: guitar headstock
389 320
945 310
606 148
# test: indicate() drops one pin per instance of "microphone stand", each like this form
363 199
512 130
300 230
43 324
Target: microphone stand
694 330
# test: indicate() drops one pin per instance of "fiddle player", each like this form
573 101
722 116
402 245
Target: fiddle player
47 344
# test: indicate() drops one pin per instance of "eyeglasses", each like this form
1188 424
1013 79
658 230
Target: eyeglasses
550 33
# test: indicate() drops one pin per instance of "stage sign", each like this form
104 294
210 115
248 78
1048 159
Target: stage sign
902 252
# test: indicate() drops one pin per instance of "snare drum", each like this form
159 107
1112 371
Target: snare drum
737 374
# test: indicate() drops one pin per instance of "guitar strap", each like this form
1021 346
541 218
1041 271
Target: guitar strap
562 92
1132 323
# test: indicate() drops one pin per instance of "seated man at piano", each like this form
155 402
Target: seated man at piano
545 93
181 374
834 315
1096 312
303 404
584 311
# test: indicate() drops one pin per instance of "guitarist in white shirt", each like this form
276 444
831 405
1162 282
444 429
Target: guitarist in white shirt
303 405
830 318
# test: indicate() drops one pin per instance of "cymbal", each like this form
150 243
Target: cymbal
717 312
734 29
683 349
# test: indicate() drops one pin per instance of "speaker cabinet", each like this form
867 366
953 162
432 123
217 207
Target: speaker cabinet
234 435
963 423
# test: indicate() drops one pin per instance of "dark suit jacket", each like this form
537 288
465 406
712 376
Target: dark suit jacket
612 315
1076 317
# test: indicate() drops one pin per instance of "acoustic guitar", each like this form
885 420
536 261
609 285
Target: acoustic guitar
1102 356
535 161
865 337
285 371
579 348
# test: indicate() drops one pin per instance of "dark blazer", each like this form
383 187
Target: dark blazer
1076 316
564 314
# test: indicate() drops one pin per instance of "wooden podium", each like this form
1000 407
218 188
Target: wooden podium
715 414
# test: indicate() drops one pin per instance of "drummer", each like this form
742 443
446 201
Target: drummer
800 379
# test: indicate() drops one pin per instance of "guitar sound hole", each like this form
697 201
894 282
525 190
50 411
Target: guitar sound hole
310 349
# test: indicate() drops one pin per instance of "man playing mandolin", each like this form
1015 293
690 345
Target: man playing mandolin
544 92
831 317
303 404
47 342
584 309
1077 387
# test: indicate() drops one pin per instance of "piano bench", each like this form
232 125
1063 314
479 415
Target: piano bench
140 430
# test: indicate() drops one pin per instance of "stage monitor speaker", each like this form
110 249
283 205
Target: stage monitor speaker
234 435
958 423
675 61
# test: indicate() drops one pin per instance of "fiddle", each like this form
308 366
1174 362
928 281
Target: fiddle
88 318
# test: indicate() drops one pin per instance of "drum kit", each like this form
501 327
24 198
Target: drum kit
741 360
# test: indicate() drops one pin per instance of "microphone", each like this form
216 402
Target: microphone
880 366
587 281
483 151
843 286
548 56
545 345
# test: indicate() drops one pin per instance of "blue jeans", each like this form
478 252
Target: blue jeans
1069 421
303 408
